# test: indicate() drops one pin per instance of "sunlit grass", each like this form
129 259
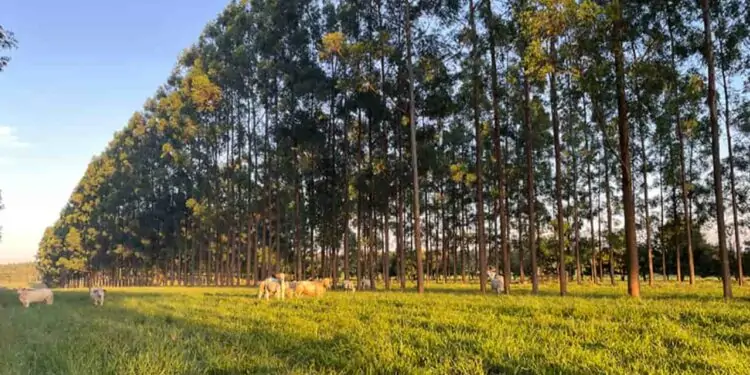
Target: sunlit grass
451 329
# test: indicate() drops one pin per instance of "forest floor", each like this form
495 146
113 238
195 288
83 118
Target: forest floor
452 329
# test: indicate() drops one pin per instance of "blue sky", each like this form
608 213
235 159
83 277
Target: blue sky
81 69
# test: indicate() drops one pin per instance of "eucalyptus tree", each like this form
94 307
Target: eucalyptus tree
498 33
730 33
479 144
714 123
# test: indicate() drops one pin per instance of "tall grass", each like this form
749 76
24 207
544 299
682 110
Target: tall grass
452 329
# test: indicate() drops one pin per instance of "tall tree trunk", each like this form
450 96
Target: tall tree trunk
530 195
661 209
346 199
714 122
522 264
644 171
297 227
558 172
683 180
607 193
499 155
415 171
463 243
386 253
480 152
428 233
456 237
649 244
631 248
594 252
386 213
371 223
576 226
359 200
728 125
678 252
278 233
599 227
248 259
446 240
400 240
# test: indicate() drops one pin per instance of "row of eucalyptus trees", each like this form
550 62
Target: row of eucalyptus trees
429 140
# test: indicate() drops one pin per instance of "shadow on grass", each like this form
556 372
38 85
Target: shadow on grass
82 339
157 335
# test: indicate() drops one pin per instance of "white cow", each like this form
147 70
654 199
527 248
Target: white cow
273 286
349 286
29 296
497 281
97 295
365 284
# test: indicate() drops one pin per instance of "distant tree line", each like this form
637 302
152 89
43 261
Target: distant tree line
566 138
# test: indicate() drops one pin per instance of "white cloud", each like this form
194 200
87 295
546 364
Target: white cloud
8 140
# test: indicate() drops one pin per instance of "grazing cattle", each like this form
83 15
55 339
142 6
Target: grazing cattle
365 284
349 286
497 282
29 296
312 288
97 295
273 286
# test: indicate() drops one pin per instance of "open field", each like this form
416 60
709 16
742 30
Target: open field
451 329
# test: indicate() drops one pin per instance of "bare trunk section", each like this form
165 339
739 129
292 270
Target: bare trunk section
594 252
607 188
400 240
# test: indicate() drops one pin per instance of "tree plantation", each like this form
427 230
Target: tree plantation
573 141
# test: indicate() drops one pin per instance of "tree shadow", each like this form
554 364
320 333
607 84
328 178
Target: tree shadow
74 337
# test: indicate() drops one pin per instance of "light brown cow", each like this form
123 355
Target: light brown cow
312 288
29 296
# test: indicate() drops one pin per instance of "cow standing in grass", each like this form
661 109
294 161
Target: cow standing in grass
97 295
273 286
349 286
497 282
29 296
365 284
312 288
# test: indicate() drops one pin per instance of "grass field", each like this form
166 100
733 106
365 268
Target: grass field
450 330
